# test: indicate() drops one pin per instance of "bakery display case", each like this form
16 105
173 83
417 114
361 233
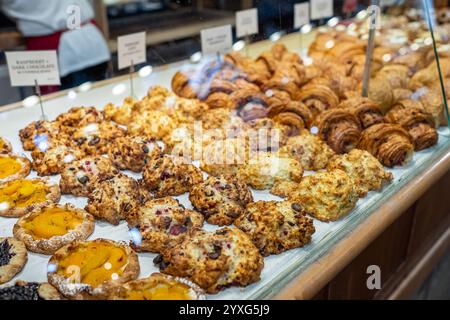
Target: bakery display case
282 169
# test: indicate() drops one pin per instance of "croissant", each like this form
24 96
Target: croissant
318 98
419 123
401 94
433 102
366 110
395 74
255 72
181 86
340 129
381 92
389 143
249 104
293 114
288 77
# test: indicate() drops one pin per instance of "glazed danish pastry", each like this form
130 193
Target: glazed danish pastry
13 167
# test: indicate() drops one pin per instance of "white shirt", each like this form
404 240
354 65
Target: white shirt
79 48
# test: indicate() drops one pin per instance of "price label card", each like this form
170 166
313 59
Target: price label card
321 9
301 14
217 39
131 49
27 67
247 22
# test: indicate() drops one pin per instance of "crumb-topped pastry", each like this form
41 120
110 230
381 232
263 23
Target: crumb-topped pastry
326 195
169 176
214 260
159 286
133 152
221 199
13 256
162 223
19 197
47 229
114 198
13 167
275 226
78 177
365 170
29 291
92 269
53 160
5 146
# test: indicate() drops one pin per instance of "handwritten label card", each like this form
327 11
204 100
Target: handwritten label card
246 23
131 49
301 14
27 67
321 9
217 39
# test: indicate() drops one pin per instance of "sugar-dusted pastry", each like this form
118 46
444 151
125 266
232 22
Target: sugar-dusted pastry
78 177
92 269
13 257
221 199
29 291
49 228
389 143
53 160
19 197
419 123
326 195
120 114
340 129
80 117
115 197
275 227
318 98
214 260
5 146
13 167
367 111
161 224
170 176
364 169
159 286
309 150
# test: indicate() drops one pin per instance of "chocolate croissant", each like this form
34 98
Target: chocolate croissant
389 143
318 98
366 110
340 129
293 114
419 123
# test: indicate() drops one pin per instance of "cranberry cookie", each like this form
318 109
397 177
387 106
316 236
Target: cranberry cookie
95 138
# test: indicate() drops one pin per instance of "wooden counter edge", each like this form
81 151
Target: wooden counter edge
316 276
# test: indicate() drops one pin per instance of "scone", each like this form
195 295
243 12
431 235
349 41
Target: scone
19 197
112 199
29 291
365 170
326 195
92 269
5 146
53 160
214 260
47 229
133 152
276 227
221 199
78 177
80 116
309 150
170 176
13 256
13 167
162 223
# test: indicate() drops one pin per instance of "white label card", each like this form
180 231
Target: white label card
131 49
247 22
301 14
217 39
321 9
27 67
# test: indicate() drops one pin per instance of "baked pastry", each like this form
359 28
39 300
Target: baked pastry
133 152
19 197
92 269
162 223
365 170
53 160
113 198
381 92
13 167
95 138
293 114
152 124
340 129
366 110
13 256
159 286
221 199
389 143
80 117
433 103
41 134
265 135
27 291
396 75
312 153
169 176
120 114
275 227
47 229
419 123
318 98
214 260
326 195
5 146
